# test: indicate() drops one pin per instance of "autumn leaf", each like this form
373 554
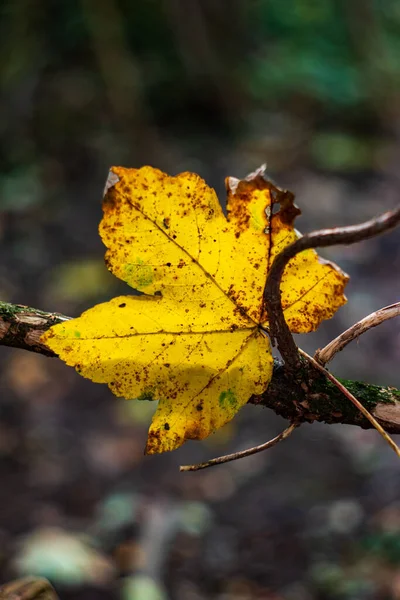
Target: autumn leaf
196 339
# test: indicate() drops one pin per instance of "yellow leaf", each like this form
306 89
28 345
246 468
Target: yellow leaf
196 340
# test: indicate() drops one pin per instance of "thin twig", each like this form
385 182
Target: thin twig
279 331
354 400
376 318
243 453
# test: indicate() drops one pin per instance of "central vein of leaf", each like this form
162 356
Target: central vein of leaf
177 333
192 258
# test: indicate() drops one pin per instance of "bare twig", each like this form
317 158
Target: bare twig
376 318
279 330
243 453
354 400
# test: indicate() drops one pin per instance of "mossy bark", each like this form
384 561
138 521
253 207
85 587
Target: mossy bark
22 326
312 397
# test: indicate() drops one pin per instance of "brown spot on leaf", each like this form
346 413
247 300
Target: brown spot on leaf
289 211
110 201
193 431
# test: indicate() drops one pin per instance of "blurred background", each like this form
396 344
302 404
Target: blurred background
312 88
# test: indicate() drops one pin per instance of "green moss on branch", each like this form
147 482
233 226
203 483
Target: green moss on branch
312 397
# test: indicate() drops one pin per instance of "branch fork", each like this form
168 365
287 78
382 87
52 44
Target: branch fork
281 336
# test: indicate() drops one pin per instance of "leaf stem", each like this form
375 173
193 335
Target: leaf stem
279 331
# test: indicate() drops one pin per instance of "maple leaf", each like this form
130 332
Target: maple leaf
196 340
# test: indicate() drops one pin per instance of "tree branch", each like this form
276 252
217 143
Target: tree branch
316 398
278 329
21 327
343 389
311 398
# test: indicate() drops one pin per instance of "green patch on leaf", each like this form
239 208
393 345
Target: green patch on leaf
227 398
147 395
138 274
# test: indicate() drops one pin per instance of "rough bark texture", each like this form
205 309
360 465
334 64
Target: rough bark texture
21 327
307 397
312 397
